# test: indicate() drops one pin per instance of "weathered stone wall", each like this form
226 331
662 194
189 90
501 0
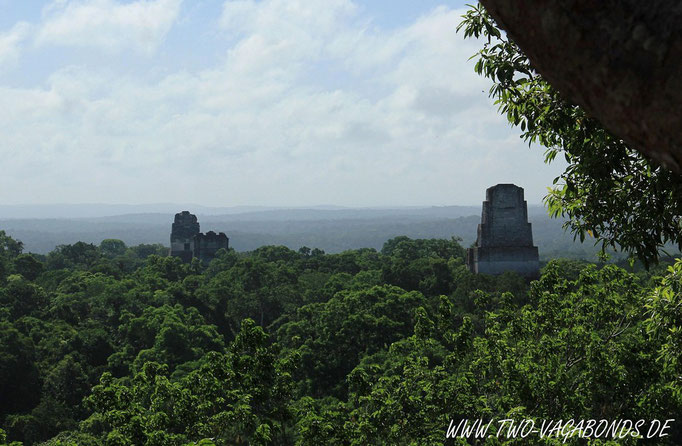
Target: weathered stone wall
185 227
206 245
505 238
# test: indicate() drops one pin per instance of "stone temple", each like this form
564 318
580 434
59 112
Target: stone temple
187 242
505 238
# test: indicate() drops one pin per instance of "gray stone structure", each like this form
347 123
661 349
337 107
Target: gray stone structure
206 245
187 241
505 237
185 227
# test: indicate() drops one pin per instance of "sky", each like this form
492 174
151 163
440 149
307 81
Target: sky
245 102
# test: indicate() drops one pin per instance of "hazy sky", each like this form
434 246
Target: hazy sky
270 102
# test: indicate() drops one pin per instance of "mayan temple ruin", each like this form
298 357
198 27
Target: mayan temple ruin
505 237
188 242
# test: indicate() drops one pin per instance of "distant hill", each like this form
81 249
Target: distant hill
86 210
327 228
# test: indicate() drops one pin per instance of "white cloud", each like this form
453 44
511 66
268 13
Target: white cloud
286 19
108 24
11 41
311 104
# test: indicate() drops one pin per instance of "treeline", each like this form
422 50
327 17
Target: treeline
117 345
333 231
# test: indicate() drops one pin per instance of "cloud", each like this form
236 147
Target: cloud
310 104
108 24
11 41
286 19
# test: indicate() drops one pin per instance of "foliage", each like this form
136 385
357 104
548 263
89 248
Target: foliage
112 248
331 337
9 249
301 347
238 397
665 324
577 350
609 191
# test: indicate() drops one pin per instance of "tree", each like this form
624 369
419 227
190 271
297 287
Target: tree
240 397
168 335
620 61
28 266
18 374
21 297
578 350
143 251
80 254
9 249
332 336
609 190
112 248
665 307
420 264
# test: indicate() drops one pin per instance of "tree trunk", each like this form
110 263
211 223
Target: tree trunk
621 60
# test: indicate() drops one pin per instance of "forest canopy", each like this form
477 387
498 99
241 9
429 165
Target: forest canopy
116 345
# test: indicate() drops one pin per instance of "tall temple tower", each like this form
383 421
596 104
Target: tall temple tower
187 242
505 237
185 227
